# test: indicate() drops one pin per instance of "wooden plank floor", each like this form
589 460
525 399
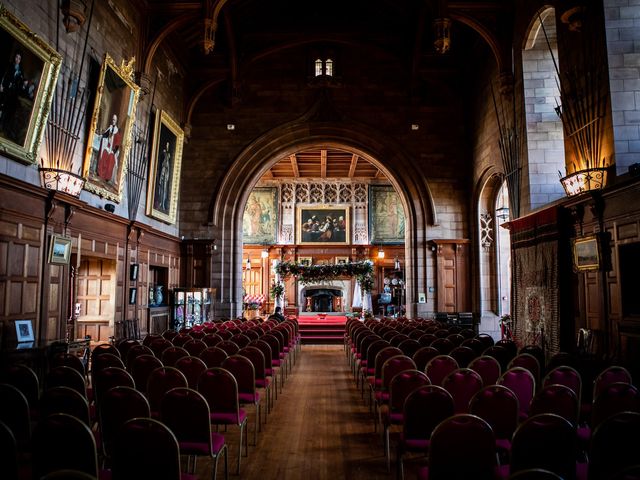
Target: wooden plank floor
319 428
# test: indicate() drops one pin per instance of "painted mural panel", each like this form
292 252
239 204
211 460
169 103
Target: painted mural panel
260 219
386 215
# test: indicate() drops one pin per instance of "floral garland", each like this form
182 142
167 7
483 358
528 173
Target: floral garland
362 271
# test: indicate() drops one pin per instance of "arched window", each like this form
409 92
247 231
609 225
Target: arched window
328 69
319 67
503 249
545 139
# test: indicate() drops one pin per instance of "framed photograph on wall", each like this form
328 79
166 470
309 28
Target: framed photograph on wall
586 254
320 225
386 216
24 331
341 260
260 218
29 69
164 169
305 261
105 161
60 250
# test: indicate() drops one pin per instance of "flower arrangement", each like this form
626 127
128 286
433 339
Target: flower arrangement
252 302
362 271
276 290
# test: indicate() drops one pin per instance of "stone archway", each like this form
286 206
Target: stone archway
227 203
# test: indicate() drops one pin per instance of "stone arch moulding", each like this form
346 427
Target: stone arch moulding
227 202
161 37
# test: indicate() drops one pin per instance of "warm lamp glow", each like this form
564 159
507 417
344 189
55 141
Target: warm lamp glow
248 264
380 253
61 180
396 264
265 254
584 181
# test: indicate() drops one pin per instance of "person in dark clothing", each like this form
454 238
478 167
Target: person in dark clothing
277 315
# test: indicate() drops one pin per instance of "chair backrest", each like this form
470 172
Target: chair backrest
615 398
197 334
424 408
474 344
228 346
159 345
567 376
528 361
443 345
487 367
612 374
118 405
462 384
195 347
423 355
522 383
149 338
558 399
486 339
186 413
63 376
160 381
15 414
104 348
191 368
382 356
213 356
535 474
68 360
266 351
463 355
141 368
402 384
220 388
509 345
372 351
462 446
241 340
439 367
108 378
243 371
124 346
8 453
64 400
180 339
397 339
145 448
498 406
136 351
257 359
170 334
61 441
212 339
536 351
545 441
172 354
24 379
455 338
427 339
500 354
409 347
614 445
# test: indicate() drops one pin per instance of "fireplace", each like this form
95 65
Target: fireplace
323 300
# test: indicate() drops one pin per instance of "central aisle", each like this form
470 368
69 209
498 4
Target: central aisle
319 429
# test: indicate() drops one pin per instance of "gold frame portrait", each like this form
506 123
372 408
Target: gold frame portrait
166 132
586 254
40 65
105 161
322 212
305 261
341 259
60 250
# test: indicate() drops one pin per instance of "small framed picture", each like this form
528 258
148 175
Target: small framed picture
586 254
60 250
422 297
342 260
133 272
305 261
133 295
24 331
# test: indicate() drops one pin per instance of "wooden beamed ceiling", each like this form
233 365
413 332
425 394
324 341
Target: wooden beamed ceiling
323 163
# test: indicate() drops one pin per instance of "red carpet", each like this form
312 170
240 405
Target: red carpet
327 320
322 330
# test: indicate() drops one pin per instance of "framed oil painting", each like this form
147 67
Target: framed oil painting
386 216
164 169
586 254
60 250
319 225
29 69
260 218
105 161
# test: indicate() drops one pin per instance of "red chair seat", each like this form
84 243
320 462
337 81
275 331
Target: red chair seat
229 418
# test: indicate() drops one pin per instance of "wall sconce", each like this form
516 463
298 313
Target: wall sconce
584 181
265 253
396 264
61 180
248 264
442 27
380 253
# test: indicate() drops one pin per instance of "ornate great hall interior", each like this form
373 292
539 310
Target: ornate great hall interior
191 165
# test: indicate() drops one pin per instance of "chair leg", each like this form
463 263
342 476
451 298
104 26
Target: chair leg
240 447
387 453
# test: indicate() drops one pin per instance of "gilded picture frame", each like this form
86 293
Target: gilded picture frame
386 216
323 225
586 254
60 250
164 168
110 132
305 261
260 217
28 86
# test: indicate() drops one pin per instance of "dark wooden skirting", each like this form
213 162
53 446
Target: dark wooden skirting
319 428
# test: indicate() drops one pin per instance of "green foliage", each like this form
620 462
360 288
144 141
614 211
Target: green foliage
363 271
276 290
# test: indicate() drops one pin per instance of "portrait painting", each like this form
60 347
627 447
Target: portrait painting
164 169
109 141
29 69
24 331
260 218
586 254
386 216
318 225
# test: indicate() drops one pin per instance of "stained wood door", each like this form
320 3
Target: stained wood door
452 265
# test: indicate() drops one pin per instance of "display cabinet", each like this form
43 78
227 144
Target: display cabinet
193 306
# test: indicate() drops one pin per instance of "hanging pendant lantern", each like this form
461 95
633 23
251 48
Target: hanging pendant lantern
442 31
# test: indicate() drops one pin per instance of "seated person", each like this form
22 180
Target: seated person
277 315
